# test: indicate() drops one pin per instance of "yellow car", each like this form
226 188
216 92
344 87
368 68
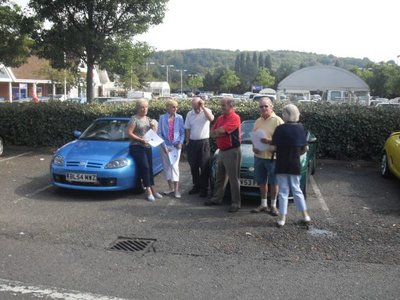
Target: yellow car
390 164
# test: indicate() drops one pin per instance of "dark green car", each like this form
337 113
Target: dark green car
248 186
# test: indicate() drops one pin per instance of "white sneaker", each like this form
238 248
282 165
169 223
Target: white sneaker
280 223
157 195
307 219
150 198
177 195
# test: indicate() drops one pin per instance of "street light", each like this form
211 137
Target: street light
167 66
149 63
181 79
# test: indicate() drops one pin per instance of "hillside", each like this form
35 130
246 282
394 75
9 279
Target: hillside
201 61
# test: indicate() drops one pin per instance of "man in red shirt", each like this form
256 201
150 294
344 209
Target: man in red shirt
227 133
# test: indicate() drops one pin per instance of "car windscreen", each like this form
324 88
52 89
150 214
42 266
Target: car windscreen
111 130
247 127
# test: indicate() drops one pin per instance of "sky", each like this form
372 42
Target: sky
344 28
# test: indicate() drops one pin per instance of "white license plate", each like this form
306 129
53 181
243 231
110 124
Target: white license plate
81 177
248 182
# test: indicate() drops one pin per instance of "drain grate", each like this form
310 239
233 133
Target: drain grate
132 245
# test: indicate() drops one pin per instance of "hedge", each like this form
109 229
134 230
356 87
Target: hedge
346 132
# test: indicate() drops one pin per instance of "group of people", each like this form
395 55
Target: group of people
277 165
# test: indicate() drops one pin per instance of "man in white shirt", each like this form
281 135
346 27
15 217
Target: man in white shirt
197 128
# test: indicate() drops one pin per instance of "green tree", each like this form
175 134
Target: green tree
264 78
229 80
15 34
195 82
89 30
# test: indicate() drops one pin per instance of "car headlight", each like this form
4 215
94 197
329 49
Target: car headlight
117 163
58 160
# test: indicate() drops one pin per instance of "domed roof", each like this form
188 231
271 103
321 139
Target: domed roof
323 78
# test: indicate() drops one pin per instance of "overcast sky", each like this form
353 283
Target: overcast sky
344 28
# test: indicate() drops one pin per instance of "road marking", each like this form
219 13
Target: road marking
19 288
34 193
16 156
318 193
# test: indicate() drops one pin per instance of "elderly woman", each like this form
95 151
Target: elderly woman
290 142
140 149
171 130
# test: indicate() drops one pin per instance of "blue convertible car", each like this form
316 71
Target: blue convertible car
99 159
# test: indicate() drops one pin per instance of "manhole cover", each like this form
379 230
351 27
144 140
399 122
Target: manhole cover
132 245
314 231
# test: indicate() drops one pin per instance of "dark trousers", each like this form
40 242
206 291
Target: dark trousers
144 163
198 156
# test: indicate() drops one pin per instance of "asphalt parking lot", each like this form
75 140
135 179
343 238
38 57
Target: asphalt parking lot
53 243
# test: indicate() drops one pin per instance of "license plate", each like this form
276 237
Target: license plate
81 177
248 182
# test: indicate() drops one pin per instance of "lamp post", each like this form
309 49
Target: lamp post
149 63
181 79
167 66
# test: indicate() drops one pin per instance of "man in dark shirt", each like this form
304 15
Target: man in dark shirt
290 142
226 131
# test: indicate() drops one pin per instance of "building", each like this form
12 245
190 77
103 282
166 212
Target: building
30 80
25 81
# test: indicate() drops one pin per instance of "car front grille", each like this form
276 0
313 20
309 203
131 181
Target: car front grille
88 164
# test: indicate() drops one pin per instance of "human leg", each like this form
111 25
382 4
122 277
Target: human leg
232 167
298 196
220 181
283 182
261 177
191 151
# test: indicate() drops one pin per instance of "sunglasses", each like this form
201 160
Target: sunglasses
263 106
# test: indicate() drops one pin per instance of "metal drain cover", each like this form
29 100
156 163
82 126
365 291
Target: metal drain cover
132 244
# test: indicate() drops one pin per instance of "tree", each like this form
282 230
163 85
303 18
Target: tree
264 78
229 80
92 30
195 82
15 31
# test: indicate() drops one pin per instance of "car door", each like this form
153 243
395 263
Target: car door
396 154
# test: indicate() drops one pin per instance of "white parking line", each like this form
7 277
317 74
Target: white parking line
34 193
318 193
18 288
16 156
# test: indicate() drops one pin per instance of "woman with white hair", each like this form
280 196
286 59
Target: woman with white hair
289 142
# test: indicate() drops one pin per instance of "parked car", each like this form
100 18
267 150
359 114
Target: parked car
99 159
390 164
248 185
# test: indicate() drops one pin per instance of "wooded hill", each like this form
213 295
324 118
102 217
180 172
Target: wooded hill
212 63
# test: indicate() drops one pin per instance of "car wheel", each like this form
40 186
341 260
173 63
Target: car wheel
1 145
304 189
138 189
213 172
313 166
385 172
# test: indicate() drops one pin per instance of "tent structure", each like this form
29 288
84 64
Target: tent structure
335 84
322 78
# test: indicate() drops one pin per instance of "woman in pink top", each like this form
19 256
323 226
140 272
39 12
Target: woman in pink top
171 130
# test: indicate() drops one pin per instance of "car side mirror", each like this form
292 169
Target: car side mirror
77 133
312 140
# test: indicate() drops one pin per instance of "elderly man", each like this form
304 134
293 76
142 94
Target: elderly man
197 128
264 162
227 133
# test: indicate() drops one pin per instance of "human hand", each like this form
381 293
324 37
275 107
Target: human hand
178 146
256 151
265 141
